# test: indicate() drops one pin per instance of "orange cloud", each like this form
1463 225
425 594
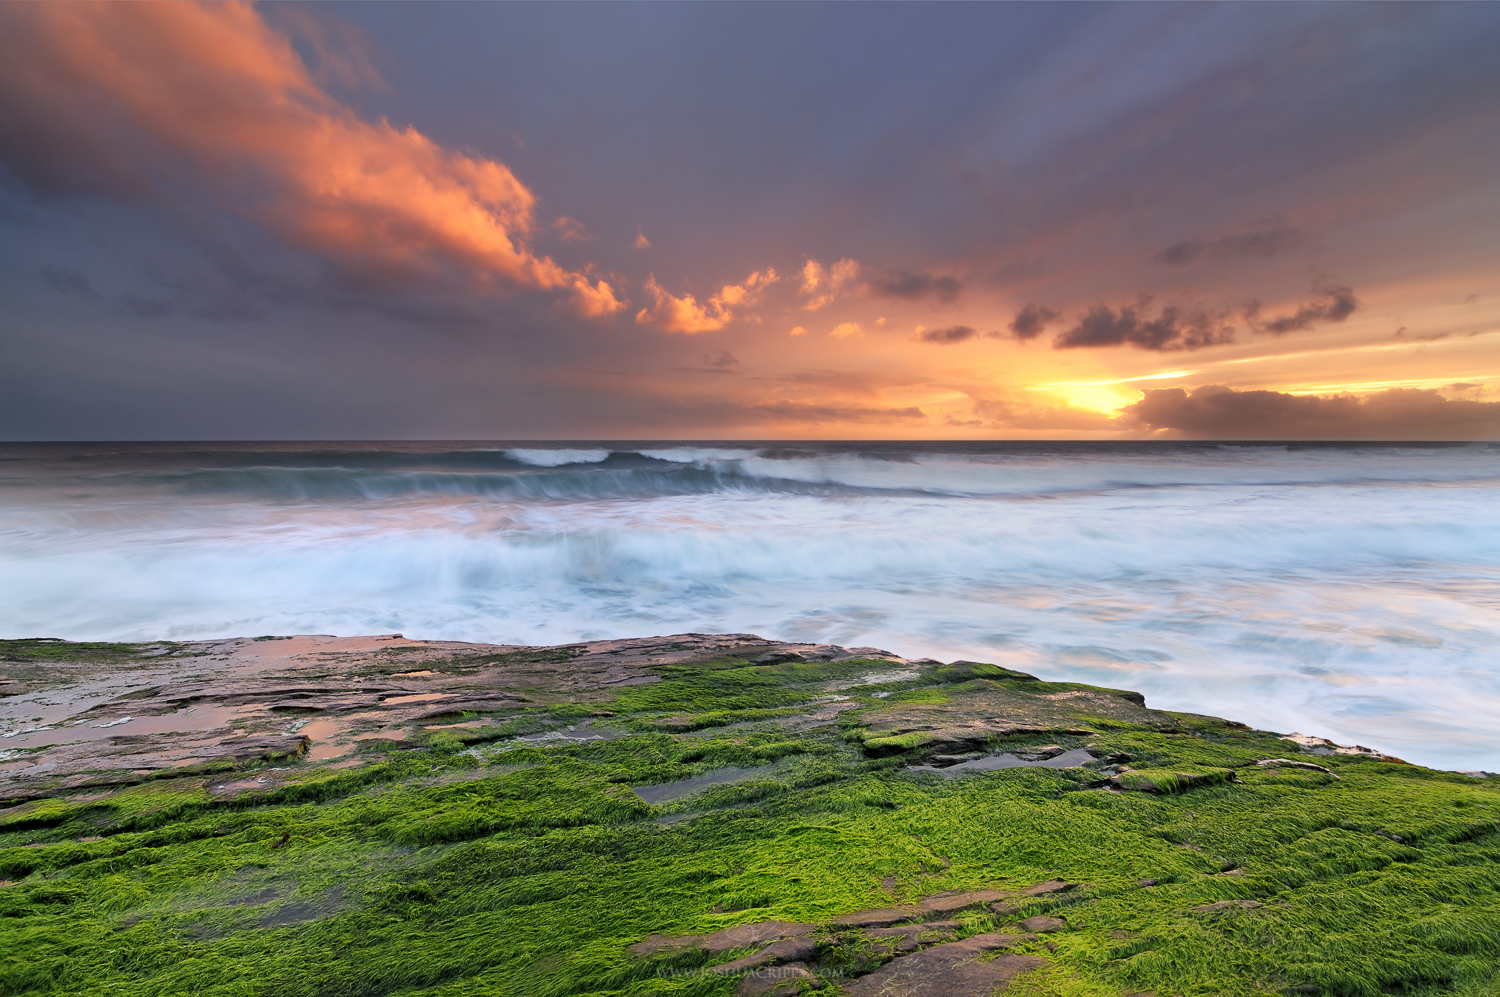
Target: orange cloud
593 300
847 330
825 284
685 314
150 99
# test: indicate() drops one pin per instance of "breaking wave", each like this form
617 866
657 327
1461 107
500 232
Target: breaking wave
1349 591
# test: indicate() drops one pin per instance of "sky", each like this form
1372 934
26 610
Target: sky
749 221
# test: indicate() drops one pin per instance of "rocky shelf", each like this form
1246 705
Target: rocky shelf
701 814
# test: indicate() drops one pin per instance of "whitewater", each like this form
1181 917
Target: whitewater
1348 591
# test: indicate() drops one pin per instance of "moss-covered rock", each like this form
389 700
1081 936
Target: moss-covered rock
498 846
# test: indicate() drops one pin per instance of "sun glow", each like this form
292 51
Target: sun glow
1105 397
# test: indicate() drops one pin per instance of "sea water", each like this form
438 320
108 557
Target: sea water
1348 591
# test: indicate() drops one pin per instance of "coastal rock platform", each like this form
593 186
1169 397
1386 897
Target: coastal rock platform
705 814
75 716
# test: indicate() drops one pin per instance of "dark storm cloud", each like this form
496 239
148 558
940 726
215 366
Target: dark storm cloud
912 285
951 334
1030 322
1172 329
1262 244
1338 304
1219 412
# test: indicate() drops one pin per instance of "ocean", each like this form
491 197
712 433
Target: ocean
1350 591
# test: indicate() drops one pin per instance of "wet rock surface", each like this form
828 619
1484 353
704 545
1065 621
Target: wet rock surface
170 709
910 950
198 708
942 903
956 765
882 918
1041 924
251 811
910 937
955 969
1290 763
738 936
787 979
787 950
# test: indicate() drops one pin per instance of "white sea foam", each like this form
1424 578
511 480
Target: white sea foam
695 455
555 458
1353 593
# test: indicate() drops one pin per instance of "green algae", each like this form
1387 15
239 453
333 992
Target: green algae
473 864
49 649
1173 780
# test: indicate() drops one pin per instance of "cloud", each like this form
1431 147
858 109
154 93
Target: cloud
847 330
68 282
685 314
868 384
641 242
948 336
910 285
1338 304
1262 244
201 298
1030 322
1220 412
798 330
1426 337
999 413
1172 329
343 51
824 285
805 412
717 362
593 300
1176 328
186 103
571 230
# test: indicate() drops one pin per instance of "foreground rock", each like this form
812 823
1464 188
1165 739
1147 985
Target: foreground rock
736 937
952 970
916 952
197 794
116 715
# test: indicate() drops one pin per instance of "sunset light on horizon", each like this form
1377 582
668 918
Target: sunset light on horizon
733 221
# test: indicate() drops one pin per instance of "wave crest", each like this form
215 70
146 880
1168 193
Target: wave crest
556 458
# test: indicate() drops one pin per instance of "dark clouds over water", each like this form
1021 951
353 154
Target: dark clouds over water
426 220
